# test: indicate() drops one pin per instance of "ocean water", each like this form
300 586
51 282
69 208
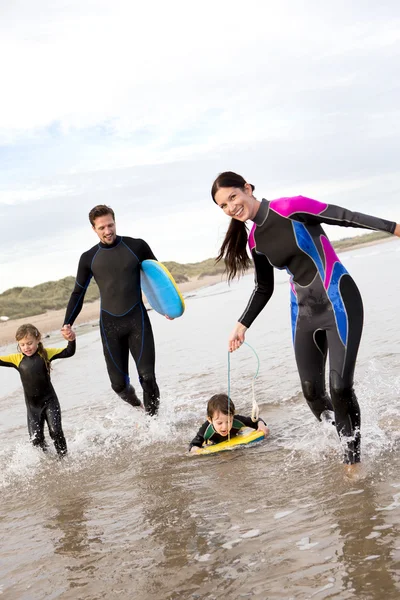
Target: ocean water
129 514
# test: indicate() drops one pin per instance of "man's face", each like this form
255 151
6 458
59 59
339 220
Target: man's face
105 228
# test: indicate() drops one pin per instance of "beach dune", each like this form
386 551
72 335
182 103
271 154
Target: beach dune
53 319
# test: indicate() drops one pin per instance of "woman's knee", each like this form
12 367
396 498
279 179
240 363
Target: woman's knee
309 390
339 388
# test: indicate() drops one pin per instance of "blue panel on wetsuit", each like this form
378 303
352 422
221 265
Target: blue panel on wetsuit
306 243
294 305
337 302
160 289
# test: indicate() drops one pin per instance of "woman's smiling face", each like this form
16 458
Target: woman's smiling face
237 203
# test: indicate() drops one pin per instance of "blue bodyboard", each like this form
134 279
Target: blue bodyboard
160 289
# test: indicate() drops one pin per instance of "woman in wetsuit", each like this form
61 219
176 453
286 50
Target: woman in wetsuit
33 362
326 306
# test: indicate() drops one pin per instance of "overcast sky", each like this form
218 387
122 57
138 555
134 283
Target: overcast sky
140 105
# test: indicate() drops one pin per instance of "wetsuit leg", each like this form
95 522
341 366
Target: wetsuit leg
115 333
342 359
36 420
310 351
144 356
52 414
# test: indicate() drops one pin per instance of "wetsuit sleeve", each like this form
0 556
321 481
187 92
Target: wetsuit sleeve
12 360
140 248
198 440
145 251
263 290
247 422
307 210
82 281
54 353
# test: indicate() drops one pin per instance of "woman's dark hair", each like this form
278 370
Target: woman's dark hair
234 247
220 403
101 210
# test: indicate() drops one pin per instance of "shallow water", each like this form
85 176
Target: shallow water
130 515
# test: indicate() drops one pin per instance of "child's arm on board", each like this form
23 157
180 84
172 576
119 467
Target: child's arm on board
194 449
197 442
262 426
258 425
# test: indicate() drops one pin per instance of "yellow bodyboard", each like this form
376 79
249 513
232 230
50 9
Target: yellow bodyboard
241 439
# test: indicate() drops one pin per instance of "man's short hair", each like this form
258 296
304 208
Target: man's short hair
100 211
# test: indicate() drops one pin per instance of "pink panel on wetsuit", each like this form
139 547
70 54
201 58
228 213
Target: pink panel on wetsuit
288 206
251 240
330 259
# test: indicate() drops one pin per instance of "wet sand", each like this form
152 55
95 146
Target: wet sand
130 514
53 319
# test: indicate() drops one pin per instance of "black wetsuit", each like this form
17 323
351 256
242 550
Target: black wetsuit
326 306
124 322
41 399
208 435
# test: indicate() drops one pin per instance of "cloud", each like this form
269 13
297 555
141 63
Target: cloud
140 105
136 66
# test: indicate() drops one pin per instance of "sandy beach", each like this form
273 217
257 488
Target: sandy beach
53 319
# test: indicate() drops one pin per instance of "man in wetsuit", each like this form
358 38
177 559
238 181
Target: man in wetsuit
124 324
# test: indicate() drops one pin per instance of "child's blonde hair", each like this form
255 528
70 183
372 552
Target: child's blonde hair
29 329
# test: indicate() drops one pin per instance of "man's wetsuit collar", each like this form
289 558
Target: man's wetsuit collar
117 241
262 212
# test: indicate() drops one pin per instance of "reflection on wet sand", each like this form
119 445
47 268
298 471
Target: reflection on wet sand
173 536
368 533
71 537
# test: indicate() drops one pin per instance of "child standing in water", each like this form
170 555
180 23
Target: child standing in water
222 422
33 362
